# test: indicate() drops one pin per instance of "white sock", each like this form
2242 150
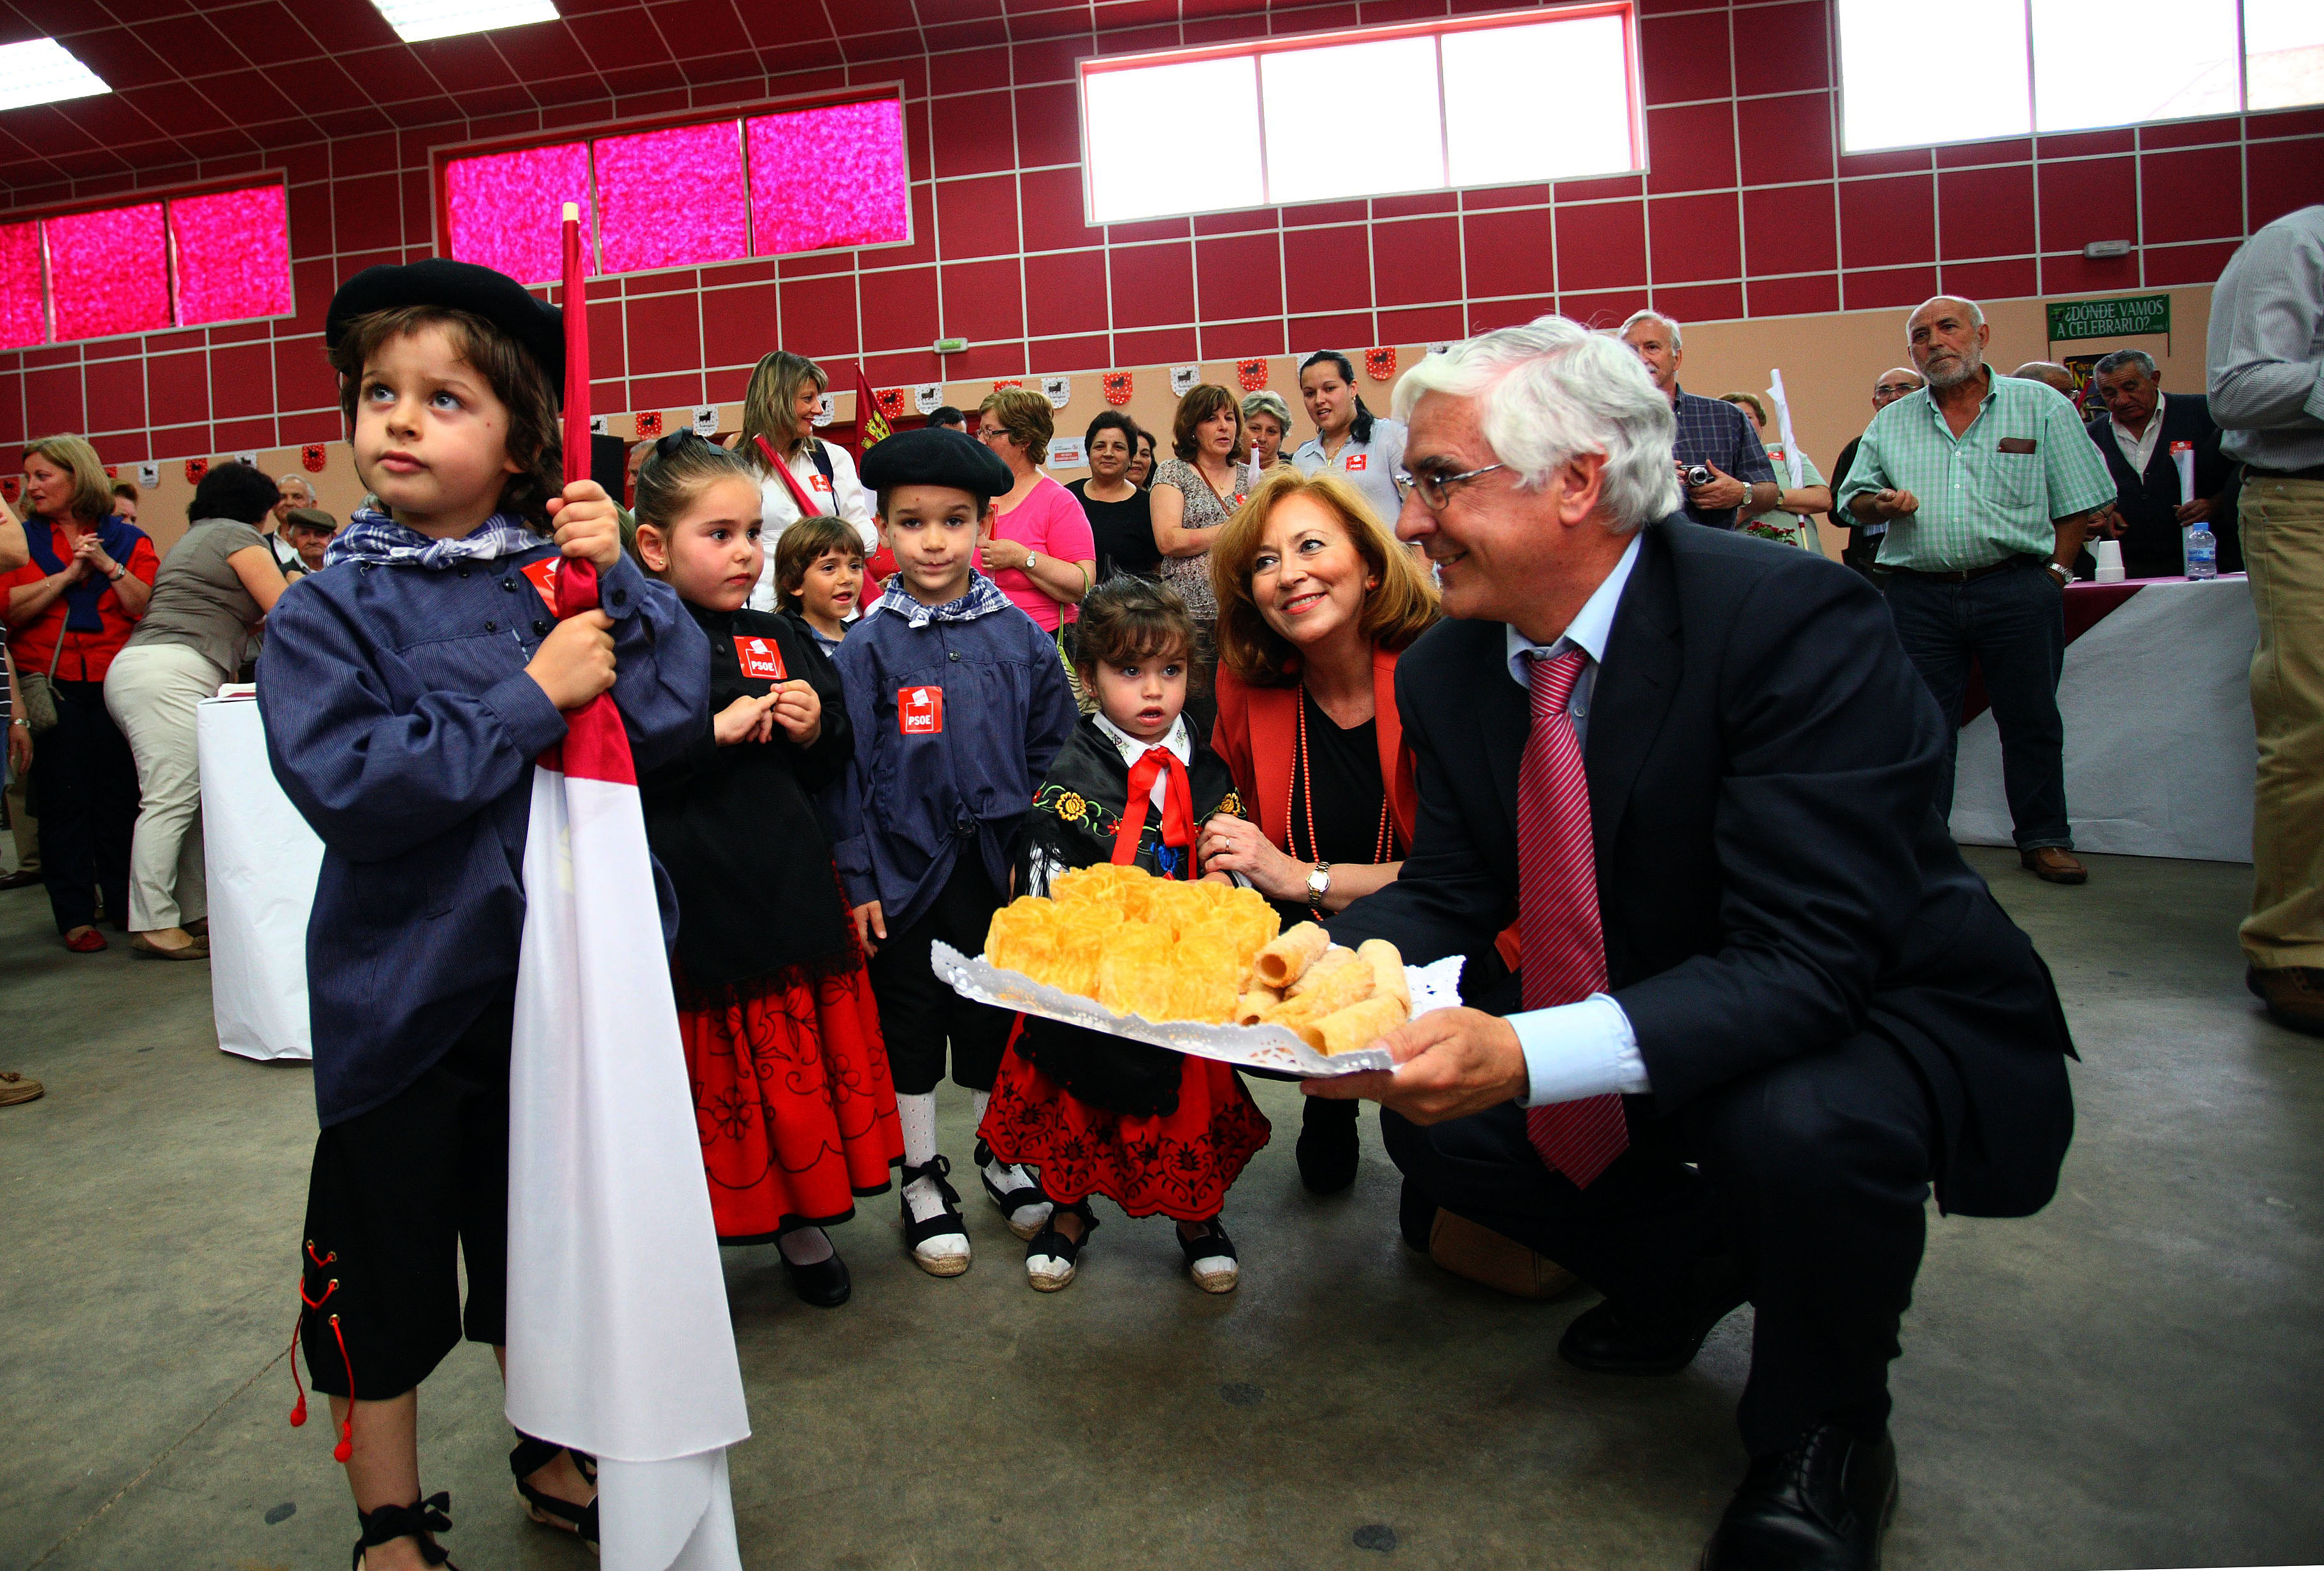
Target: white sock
980 1101
917 1114
806 1246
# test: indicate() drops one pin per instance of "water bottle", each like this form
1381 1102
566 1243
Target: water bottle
2202 553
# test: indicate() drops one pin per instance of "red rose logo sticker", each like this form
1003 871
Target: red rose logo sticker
1117 387
1379 364
195 470
649 423
9 486
310 457
1251 373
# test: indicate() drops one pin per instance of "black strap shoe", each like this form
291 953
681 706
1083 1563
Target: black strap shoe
1822 1505
1616 1338
1328 1146
422 1520
939 1245
529 1456
826 1284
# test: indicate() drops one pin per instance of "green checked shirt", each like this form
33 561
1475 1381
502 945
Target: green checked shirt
1990 493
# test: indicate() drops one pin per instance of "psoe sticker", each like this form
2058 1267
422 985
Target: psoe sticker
760 660
920 711
543 574
1356 461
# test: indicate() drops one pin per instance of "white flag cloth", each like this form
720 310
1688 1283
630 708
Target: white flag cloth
619 1342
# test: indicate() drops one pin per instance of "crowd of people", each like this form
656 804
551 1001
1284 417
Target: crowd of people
1487 676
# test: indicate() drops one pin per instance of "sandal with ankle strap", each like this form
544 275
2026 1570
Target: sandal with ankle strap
1023 1198
1211 1258
1051 1258
529 1457
945 1224
422 1520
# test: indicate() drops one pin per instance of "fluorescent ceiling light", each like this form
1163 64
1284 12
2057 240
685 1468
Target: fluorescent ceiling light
414 20
41 70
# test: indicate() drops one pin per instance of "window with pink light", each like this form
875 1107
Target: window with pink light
828 177
22 320
670 199
109 271
231 256
504 210
216 257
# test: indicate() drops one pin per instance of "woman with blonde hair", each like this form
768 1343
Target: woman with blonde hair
1315 602
799 474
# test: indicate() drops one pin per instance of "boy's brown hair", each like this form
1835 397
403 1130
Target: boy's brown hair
801 545
1128 620
534 440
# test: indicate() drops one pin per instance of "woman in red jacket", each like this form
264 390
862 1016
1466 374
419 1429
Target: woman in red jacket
1315 601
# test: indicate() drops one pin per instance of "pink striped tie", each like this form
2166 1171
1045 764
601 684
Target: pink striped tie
1563 948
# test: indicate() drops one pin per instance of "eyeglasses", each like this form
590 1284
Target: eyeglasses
1896 389
992 434
1436 490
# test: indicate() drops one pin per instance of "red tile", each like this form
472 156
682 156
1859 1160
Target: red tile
169 442
815 264
1986 212
902 370
2225 128
2282 176
2084 144
1152 229
964 70
1907 161
309 428
1326 270
1509 253
738 323
1690 148
115 393
610 396
365 155
1591 190
1048 125
177 387
726 384
1791 229
974 135
1419 204
1480 199
1885 222
2285 123
113 452
242 436
1988 281
818 316
1341 330
2196 194
1686 57
1970 155
1416 262
1423 325
2184 265
1153 285
1786 139
242 381
1779 48
1794 297
1602 309
1242 221
1484 316
367 213
984 301
1602 246
672 391
303 378
1696 237
1242 340
1090 353
1310 213
922 246
1165 346
664 334
2074 274
1050 60
1897 287
1700 302
900 308
1238 276
1051 202
977 217
2088 199
310 221
1065 293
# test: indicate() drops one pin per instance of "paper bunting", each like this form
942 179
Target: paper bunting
149 475
310 457
649 423
822 411
1057 390
9 486
113 471
891 400
1251 373
1007 381
928 397
1379 364
249 459
195 470
1117 387
1182 379
706 420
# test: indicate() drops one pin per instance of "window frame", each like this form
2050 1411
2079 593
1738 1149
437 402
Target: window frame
1434 28
737 113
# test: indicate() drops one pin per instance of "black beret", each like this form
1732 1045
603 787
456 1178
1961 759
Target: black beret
935 456
460 286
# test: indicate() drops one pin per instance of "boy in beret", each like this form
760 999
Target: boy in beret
958 702
406 693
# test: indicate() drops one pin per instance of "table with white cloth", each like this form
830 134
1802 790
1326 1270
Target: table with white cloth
2160 757
262 862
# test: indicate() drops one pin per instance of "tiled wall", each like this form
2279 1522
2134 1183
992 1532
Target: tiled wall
1750 209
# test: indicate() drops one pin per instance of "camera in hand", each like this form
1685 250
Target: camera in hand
1698 475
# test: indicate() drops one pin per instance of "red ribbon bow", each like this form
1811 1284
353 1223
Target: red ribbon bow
1177 807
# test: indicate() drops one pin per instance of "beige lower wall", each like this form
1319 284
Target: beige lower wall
1829 362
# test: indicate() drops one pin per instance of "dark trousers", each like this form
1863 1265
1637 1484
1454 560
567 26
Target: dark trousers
919 1015
2013 623
84 788
1809 1183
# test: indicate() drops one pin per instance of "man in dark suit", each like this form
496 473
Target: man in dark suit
1864 538
1763 1004
2137 436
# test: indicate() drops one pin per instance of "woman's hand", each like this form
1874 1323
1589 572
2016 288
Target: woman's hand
88 558
868 921
798 710
20 748
744 720
1002 555
588 525
1232 845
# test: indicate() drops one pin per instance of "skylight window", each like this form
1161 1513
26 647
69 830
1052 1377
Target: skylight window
414 20
41 70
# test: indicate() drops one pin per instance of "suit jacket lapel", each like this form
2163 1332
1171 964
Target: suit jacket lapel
1635 688
1504 718
1389 730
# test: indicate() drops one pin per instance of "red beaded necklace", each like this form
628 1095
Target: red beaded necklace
1303 790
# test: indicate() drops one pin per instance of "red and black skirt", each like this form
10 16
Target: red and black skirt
793 1102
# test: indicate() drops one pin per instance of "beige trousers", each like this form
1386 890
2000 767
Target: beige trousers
150 692
2282 523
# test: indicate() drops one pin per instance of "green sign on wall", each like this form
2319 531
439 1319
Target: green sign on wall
2109 319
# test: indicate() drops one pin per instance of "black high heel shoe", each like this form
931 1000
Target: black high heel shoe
529 1457
422 1520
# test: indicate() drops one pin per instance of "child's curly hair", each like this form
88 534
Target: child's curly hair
1127 621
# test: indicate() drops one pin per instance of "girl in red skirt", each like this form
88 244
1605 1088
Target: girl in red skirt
791 1091
1151 1130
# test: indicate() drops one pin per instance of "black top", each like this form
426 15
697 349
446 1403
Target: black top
1125 532
758 904
1351 799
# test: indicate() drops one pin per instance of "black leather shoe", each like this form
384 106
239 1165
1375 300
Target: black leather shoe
1613 1338
825 1284
1328 1147
1415 1215
1821 1506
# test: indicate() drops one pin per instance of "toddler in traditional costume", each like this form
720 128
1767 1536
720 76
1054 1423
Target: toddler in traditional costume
1151 1130
407 689
797 1112
958 702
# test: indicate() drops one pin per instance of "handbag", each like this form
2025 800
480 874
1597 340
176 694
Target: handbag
39 693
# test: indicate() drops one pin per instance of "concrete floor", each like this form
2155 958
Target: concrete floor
2133 1378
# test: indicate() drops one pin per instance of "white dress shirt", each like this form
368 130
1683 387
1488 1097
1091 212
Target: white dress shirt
841 495
1586 1048
1179 740
2136 450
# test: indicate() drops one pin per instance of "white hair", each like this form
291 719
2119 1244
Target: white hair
1553 389
1634 318
283 480
1976 312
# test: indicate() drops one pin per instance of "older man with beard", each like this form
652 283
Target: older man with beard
1987 484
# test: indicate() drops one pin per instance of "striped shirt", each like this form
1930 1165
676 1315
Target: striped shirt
1991 492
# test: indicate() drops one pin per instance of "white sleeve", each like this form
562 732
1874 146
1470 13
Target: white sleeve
847 497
